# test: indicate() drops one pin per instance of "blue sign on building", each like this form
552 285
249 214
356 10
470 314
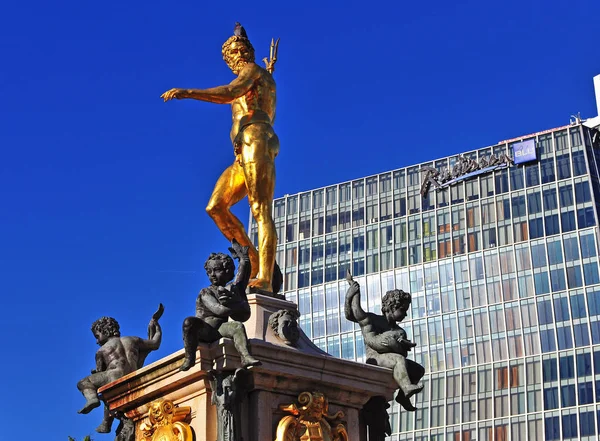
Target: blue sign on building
524 151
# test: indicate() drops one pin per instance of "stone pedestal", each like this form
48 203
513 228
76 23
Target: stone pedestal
285 373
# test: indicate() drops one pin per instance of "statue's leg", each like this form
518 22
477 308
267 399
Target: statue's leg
229 190
237 332
402 377
260 146
106 424
192 327
403 373
415 371
89 388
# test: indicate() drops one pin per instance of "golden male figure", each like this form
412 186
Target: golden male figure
252 97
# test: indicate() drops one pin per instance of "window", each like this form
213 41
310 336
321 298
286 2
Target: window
547 339
566 367
385 183
590 273
566 196
552 426
331 196
488 212
557 280
399 180
536 228
586 424
501 179
571 249
560 140
582 192
561 309
538 254
555 252
545 144
516 178
575 137
532 175
545 312
548 174
574 276
578 163
584 365
564 337
503 207
487 187
518 206
567 395
550 202
550 398
563 165
541 283
549 370
588 247
585 217
552 225
457 193
586 394
578 306
569 426
582 336
521 231
534 202
568 221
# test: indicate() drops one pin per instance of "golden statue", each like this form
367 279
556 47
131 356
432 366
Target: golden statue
252 97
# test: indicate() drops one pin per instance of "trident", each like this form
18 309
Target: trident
270 62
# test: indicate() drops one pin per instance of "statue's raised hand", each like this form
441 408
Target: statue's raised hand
173 93
237 251
354 288
153 326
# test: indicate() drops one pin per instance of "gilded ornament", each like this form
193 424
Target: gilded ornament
311 420
166 422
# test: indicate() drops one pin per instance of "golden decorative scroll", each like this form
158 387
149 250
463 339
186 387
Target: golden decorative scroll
310 421
166 423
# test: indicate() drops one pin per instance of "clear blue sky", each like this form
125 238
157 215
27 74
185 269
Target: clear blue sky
103 186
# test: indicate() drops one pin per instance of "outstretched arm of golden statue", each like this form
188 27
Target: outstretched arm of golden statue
220 94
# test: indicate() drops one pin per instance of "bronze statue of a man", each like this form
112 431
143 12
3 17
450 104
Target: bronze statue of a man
217 303
117 356
252 98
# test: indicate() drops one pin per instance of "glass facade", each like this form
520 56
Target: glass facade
503 272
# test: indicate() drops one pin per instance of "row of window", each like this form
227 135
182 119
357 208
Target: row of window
536 427
386 209
482 335
327 261
482 278
501 391
547 170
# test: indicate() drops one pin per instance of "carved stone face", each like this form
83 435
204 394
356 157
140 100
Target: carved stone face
288 329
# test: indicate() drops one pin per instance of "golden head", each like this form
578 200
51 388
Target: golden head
237 52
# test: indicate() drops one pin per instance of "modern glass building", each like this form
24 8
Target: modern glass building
502 265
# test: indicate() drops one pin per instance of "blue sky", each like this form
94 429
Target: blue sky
103 186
